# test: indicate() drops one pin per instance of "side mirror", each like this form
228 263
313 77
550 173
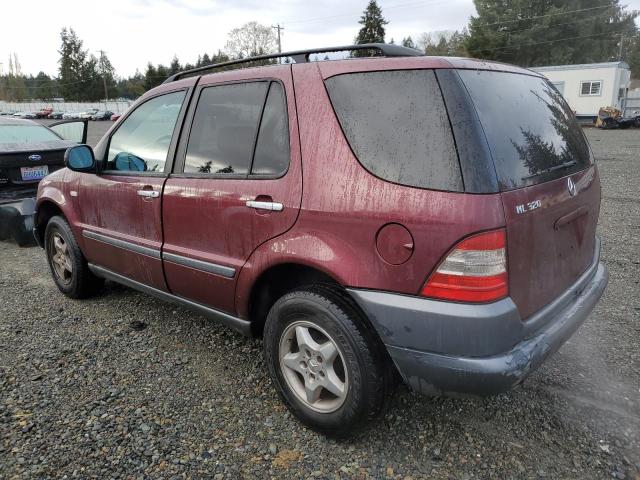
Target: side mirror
80 159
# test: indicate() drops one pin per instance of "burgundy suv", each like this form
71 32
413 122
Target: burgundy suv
429 216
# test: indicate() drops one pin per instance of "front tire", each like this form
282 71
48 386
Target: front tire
327 365
68 266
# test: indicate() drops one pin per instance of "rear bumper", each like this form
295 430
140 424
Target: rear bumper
16 220
450 348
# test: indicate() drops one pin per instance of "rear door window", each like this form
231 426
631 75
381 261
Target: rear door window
272 148
532 133
224 129
397 126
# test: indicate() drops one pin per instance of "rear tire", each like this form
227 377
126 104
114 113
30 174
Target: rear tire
328 366
68 266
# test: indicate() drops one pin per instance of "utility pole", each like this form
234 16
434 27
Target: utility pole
279 28
620 51
104 78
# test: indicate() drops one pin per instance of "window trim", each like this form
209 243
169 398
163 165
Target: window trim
181 152
590 82
172 145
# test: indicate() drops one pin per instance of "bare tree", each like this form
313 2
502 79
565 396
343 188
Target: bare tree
251 39
443 42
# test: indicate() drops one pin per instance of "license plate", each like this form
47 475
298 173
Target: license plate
34 173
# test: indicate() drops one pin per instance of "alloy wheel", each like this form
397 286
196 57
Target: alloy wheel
313 367
60 258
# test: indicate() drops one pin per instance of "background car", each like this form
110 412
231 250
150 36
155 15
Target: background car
115 116
55 115
44 113
70 115
102 115
24 115
29 151
86 115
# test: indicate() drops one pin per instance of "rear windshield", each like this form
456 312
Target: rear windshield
26 134
532 132
397 126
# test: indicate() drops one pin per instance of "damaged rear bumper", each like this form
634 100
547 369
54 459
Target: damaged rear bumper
16 220
447 348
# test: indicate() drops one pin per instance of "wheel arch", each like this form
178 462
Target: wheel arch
277 280
45 210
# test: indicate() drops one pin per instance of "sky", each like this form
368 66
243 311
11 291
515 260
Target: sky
135 32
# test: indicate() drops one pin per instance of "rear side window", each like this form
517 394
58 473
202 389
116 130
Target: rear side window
532 133
397 126
224 129
272 148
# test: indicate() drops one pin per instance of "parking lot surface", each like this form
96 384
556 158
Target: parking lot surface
125 386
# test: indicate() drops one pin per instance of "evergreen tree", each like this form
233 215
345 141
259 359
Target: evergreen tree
219 57
372 30
408 42
550 32
151 77
175 66
43 87
73 65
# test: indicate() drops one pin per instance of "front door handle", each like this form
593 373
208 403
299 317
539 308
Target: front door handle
270 206
149 193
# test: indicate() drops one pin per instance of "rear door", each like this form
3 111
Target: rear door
236 184
120 207
549 184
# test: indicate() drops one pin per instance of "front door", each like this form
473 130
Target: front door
121 205
237 182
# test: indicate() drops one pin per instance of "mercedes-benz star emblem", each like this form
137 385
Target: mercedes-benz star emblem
571 187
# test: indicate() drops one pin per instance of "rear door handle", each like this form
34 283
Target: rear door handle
148 193
271 206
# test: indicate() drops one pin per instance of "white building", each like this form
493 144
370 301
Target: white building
590 86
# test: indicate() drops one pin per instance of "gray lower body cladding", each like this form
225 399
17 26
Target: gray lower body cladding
451 348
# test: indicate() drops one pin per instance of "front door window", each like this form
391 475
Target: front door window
142 142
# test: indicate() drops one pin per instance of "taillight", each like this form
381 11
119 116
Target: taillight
474 271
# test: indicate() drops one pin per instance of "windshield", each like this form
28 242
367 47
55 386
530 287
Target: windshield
532 132
26 134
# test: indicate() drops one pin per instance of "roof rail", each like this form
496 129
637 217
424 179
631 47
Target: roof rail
302 56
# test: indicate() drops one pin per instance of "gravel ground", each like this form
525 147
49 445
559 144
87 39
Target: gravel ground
125 386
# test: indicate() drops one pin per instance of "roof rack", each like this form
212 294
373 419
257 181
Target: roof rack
302 56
